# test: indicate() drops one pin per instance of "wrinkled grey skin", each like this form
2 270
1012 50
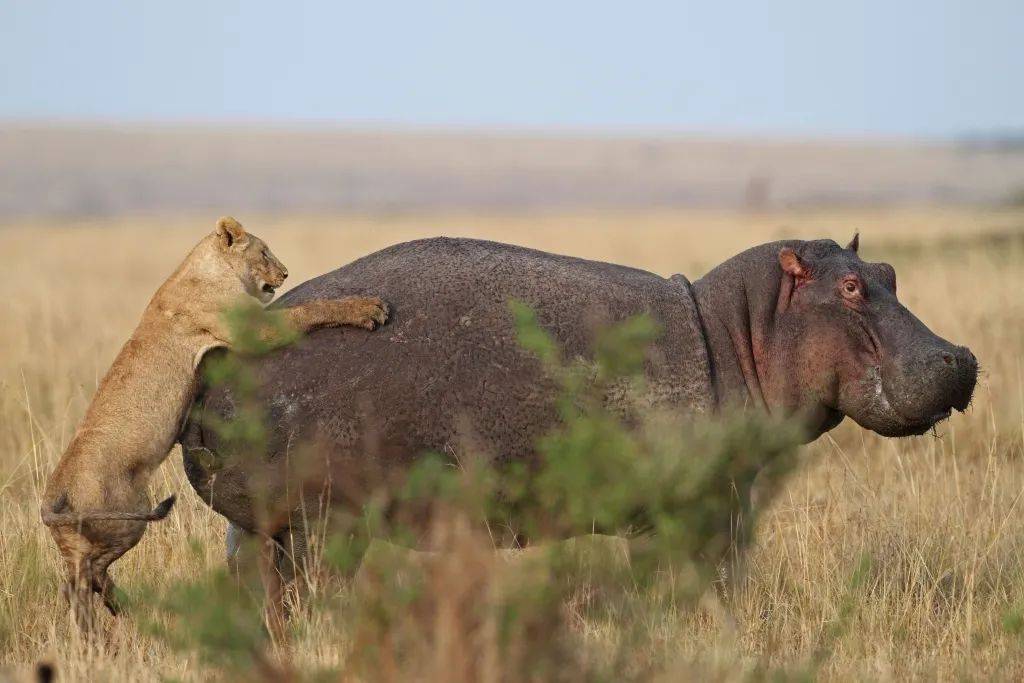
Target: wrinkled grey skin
799 343
776 328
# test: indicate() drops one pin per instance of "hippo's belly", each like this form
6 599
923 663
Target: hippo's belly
446 374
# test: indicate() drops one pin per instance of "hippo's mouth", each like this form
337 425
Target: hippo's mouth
929 424
889 418
911 426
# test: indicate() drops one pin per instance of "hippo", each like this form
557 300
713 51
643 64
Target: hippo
793 328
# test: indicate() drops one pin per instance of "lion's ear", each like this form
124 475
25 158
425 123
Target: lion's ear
230 232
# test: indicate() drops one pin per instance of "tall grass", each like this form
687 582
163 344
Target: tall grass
878 559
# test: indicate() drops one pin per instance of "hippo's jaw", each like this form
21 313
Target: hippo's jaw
922 378
831 420
914 426
895 408
910 426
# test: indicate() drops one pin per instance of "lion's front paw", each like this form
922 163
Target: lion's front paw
363 311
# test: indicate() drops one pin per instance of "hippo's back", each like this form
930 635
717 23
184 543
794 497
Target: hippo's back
446 372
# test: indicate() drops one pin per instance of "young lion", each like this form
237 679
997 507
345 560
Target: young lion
95 501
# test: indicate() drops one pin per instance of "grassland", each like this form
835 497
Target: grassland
939 516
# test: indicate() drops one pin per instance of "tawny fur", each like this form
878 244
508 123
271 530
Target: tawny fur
95 502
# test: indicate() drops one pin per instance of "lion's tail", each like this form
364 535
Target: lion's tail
57 514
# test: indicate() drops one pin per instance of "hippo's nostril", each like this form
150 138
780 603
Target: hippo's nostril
948 358
965 360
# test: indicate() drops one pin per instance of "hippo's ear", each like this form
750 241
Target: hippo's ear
854 243
793 265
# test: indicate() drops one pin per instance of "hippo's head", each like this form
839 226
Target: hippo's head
818 332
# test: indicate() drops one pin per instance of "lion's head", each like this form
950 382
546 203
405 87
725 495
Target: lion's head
250 259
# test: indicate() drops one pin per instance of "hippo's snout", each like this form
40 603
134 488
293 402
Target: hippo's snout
926 387
960 374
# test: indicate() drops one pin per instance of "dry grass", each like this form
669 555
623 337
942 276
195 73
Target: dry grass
940 518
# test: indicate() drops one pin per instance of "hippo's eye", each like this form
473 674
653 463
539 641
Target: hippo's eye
851 288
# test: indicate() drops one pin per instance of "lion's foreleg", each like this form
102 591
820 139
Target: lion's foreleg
359 311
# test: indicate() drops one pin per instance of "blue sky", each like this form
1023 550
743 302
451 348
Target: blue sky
867 67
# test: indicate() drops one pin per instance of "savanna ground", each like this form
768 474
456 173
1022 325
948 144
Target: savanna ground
880 559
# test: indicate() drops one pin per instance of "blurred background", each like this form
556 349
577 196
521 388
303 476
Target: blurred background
109 108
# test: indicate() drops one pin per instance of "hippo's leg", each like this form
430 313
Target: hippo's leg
273 589
750 499
282 565
233 538
292 555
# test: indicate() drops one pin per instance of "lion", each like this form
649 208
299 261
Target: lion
95 502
